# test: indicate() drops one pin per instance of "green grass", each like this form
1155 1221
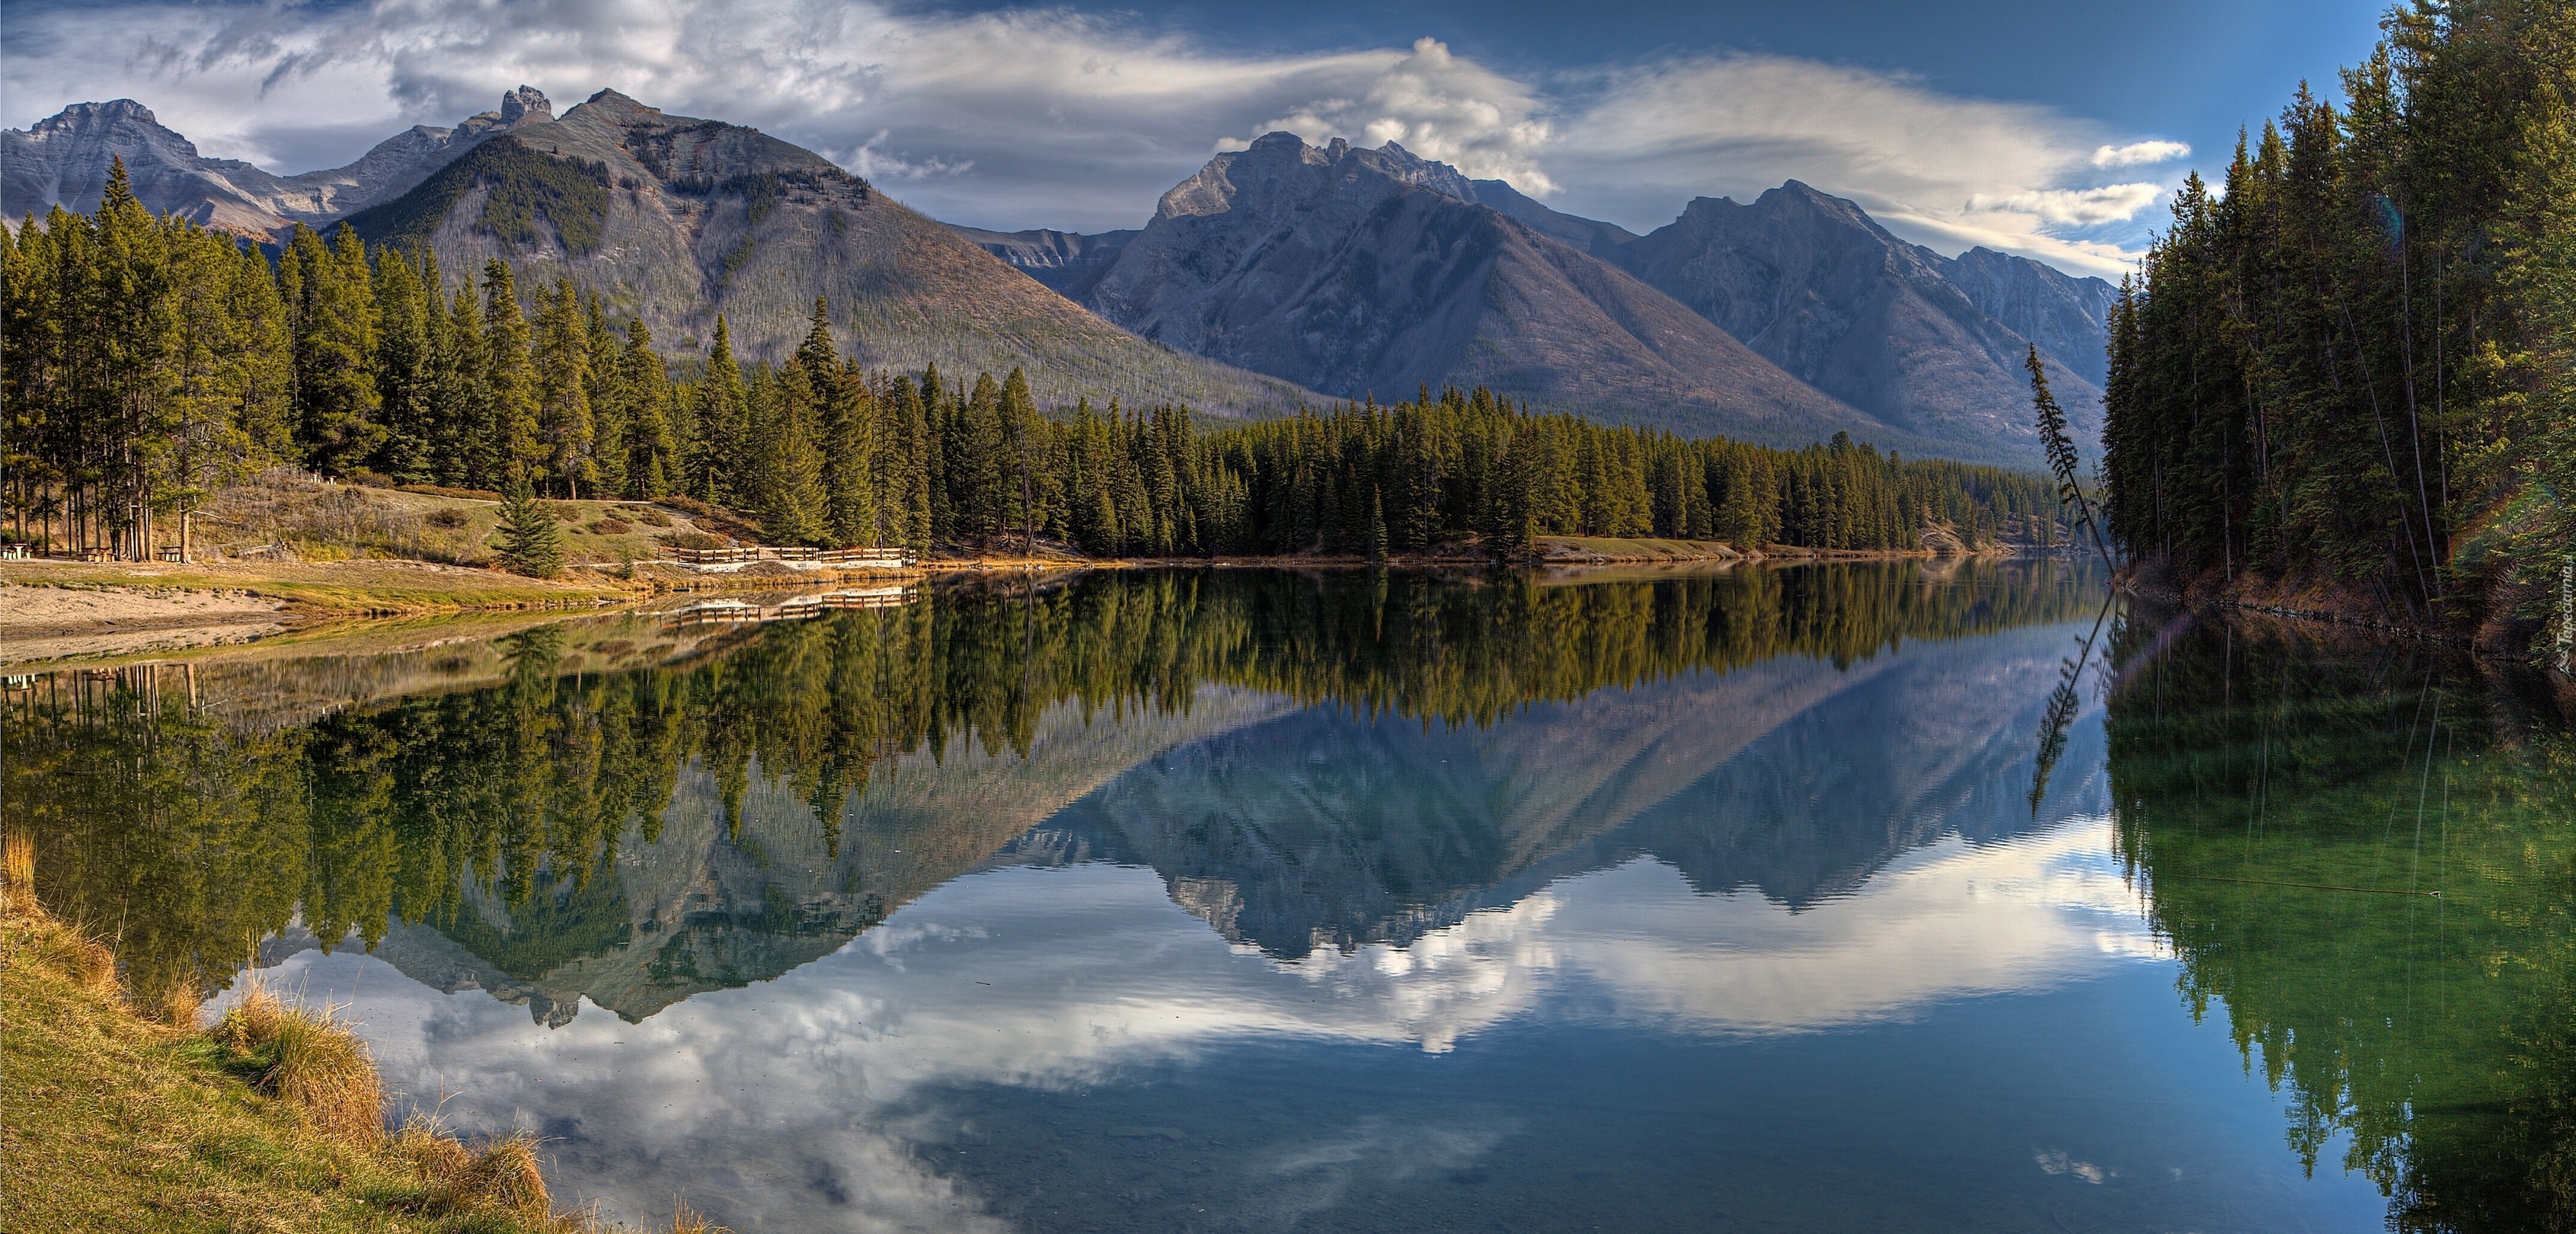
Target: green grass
118 1121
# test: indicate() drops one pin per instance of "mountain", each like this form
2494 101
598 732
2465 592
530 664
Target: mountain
1589 235
1816 286
64 161
677 220
1355 272
1058 259
2068 317
672 219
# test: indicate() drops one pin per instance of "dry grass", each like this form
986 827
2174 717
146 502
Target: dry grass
312 1060
266 1123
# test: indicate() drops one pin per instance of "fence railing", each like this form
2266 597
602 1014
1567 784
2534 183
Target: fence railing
834 556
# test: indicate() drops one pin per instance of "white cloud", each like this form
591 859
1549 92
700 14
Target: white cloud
2140 154
1055 118
2116 203
1438 106
1934 168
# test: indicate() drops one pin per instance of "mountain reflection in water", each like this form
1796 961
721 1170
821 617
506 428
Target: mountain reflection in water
1117 902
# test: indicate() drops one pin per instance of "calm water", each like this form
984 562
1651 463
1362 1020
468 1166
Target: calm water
1839 898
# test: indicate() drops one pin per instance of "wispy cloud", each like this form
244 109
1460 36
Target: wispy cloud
2140 154
2116 203
1059 118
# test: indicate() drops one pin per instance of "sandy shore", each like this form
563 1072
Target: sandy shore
46 623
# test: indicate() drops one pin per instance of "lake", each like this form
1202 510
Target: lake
1875 896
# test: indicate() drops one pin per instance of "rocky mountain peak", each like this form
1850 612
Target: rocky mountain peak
620 105
79 115
524 102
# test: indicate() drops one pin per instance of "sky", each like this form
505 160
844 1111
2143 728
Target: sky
2052 129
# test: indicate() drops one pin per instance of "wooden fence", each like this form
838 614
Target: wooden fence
794 608
893 557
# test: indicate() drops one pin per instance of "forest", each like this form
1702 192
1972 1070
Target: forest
2354 363
150 362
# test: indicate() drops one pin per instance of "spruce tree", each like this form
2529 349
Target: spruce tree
530 542
334 321
516 451
564 421
1377 526
612 410
652 447
460 444
405 367
716 457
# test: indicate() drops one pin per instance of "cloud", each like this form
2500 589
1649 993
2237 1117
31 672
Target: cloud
2140 154
1438 106
2114 203
1059 118
814 1100
1940 170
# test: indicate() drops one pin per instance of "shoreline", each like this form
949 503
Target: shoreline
54 611
2487 636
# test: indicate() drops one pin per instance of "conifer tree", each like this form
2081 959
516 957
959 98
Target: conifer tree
652 447
405 368
564 422
720 414
1377 526
333 313
531 544
612 409
463 435
517 451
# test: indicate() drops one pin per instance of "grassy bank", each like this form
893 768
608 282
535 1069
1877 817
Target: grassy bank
125 1118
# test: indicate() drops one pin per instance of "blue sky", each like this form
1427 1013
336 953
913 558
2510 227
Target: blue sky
2052 129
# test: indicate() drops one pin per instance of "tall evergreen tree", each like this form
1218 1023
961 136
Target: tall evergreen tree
564 422
517 451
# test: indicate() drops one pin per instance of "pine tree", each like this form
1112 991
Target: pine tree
1377 526
652 447
517 451
720 415
405 368
612 405
461 441
564 422
531 544
334 322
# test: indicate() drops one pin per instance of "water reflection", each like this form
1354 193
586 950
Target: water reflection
1381 901
2365 858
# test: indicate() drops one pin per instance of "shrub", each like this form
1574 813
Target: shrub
450 517
652 517
610 526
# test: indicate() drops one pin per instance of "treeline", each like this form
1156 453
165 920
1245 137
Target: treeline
148 362
2357 363
192 837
